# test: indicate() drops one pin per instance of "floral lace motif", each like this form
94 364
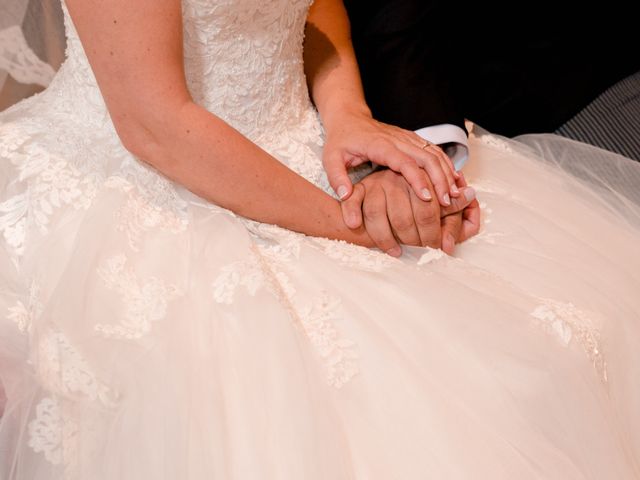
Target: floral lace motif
337 352
566 322
51 183
355 256
63 370
266 266
496 142
52 434
24 315
145 302
21 316
243 273
277 245
141 213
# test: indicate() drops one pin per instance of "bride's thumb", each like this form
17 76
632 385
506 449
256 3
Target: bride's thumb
338 177
468 195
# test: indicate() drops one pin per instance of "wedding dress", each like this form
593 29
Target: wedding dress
146 333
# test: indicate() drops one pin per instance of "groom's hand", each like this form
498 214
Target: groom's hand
461 226
394 215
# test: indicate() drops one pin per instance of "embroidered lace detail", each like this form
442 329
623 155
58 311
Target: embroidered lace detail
244 59
566 322
19 61
243 273
140 214
51 181
19 315
266 266
484 235
24 315
355 256
300 149
431 255
51 434
145 302
496 142
273 248
337 352
64 371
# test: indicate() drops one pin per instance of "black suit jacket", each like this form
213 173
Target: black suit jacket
425 62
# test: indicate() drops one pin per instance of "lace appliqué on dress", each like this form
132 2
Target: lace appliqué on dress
495 142
567 323
145 301
484 235
50 434
243 273
431 255
64 371
51 183
266 266
337 352
355 256
141 213
24 315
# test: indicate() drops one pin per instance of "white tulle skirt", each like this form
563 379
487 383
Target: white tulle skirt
140 342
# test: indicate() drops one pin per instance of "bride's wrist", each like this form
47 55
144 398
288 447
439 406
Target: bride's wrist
336 117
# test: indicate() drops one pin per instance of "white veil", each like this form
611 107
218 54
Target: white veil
32 47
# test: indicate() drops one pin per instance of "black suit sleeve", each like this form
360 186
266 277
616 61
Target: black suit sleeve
401 51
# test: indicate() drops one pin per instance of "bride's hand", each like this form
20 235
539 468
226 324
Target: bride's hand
358 138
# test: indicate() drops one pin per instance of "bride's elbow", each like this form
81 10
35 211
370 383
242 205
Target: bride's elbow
144 140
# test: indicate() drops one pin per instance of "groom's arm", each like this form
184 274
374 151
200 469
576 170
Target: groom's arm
403 55
352 135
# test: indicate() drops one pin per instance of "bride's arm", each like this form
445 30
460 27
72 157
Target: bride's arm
353 137
135 51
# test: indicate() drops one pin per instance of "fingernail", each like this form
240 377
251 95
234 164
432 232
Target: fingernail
446 199
426 194
457 174
469 193
353 220
395 251
342 191
454 189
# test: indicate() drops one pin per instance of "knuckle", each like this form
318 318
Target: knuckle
425 217
373 210
403 223
385 243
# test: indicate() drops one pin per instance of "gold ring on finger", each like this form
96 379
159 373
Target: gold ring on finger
427 143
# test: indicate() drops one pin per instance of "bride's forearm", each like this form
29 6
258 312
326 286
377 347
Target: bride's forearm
217 163
137 58
330 63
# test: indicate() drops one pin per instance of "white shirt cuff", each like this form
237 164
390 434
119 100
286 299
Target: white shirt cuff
456 139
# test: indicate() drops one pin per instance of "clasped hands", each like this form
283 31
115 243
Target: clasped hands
417 198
